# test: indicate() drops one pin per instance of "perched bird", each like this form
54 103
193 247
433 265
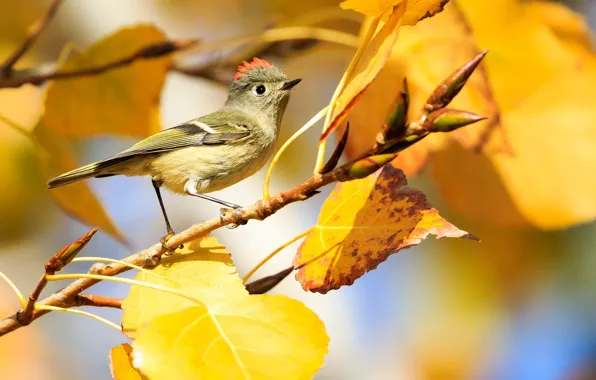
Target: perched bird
210 152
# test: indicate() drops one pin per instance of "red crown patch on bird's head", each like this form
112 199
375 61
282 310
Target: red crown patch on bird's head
245 67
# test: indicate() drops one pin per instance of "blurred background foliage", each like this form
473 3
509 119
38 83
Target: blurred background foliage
518 305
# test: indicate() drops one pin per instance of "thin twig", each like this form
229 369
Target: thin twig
32 34
98 301
148 52
26 316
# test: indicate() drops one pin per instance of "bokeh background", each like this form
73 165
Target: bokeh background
519 305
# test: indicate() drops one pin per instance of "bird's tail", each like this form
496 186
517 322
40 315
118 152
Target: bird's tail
84 172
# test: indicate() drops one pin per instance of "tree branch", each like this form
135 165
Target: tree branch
150 257
148 52
32 34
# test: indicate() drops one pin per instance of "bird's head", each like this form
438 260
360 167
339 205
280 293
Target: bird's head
260 87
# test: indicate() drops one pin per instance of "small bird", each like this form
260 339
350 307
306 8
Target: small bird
211 152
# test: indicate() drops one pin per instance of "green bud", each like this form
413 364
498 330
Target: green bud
447 120
366 166
68 252
265 284
446 91
396 121
402 144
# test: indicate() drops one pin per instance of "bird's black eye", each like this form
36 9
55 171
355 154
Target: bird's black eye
260 89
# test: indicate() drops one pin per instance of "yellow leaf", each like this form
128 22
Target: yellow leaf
76 199
360 224
568 25
121 363
20 106
543 74
416 10
203 270
367 68
250 337
122 101
225 333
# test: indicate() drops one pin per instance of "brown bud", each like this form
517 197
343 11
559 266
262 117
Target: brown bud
265 284
366 166
68 252
447 120
446 91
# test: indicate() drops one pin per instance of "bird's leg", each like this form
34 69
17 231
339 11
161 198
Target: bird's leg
191 189
163 240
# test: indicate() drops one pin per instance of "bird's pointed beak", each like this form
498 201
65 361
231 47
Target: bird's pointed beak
288 85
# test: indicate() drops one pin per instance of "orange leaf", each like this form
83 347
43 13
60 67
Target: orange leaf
368 67
76 199
361 224
121 363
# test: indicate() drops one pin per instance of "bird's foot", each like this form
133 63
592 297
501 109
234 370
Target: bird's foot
224 212
164 240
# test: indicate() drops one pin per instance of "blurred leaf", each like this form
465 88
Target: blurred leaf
17 158
76 199
360 224
374 8
543 74
121 363
202 269
447 36
258 336
367 68
122 101
416 10
229 334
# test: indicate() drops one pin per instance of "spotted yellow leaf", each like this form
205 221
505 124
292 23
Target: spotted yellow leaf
360 224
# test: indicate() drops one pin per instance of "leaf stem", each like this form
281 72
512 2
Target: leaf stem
286 144
14 288
79 312
272 254
70 276
108 260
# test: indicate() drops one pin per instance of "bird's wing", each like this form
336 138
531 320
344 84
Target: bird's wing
192 133
203 131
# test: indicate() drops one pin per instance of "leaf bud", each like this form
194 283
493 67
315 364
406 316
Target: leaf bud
368 165
447 120
446 91
68 253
